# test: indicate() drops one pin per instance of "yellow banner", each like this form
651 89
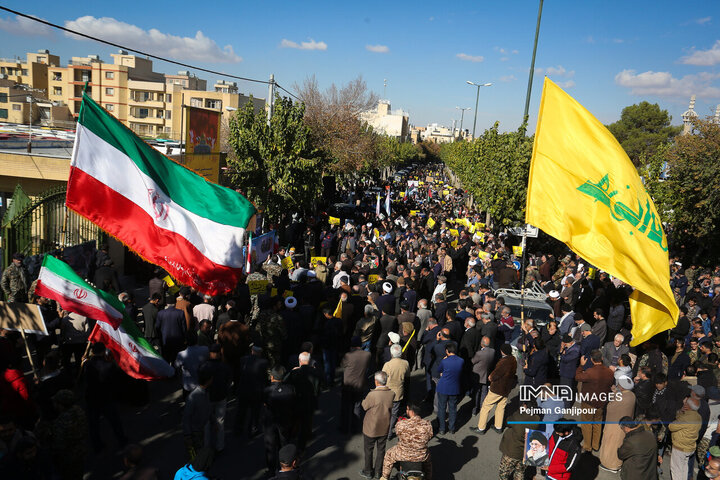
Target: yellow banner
315 260
454 243
483 254
454 232
479 225
287 262
413 213
584 190
257 287
372 278
334 221
446 192
402 194
430 223
517 251
376 232
173 289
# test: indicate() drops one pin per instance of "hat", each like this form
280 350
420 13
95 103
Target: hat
387 287
394 337
698 390
714 451
538 436
566 259
369 224
554 294
287 454
292 249
290 302
625 382
215 348
567 338
442 278
585 327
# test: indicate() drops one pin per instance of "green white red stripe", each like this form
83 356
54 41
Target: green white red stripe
58 281
131 351
169 215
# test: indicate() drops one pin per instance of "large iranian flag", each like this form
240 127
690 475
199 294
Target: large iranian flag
169 215
120 335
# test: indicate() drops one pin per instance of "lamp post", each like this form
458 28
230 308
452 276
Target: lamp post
478 85
462 117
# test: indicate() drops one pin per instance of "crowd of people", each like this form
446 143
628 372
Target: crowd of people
362 305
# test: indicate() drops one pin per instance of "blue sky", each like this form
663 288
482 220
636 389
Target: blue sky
608 54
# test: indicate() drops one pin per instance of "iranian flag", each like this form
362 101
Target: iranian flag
120 335
166 213
58 281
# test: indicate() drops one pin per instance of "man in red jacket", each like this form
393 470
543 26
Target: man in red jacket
564 448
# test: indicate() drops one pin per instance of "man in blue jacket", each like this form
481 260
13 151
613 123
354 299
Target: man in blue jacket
569 359
448 387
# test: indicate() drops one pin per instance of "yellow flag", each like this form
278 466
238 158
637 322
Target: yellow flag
413 213
287 262
430 223
334 221
454 232
584 191
517 251
338 310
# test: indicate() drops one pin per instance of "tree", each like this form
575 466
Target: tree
334 119
691 194
276 165
389 152
494 168
643 128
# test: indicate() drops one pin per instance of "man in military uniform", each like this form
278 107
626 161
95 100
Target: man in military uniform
413 433
15 280
271 328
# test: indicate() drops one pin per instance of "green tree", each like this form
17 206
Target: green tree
691 194
390 152
275 165
642 129
494 168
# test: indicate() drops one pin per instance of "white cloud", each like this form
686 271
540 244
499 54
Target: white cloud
589 39
470 58
703 57
501 50
703 21
568 84
309 45
508 78
618 40
198 48
24 26
560 71
504 59
515 52
377 48
663 84
431 19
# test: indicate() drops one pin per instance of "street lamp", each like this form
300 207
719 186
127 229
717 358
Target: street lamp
462 117
478 85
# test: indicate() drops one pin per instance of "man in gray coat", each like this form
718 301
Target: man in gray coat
482 363
612 351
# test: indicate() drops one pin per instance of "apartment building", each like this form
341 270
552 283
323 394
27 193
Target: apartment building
32 72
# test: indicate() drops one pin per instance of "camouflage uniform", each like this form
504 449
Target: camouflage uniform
14 283
511 468
413 435
271 328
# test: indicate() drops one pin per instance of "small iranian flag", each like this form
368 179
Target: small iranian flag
58 281
166 213
120 335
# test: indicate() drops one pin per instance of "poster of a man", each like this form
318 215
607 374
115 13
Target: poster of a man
536 444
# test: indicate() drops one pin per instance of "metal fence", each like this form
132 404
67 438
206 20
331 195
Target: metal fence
41 227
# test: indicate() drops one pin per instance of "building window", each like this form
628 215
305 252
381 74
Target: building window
110 91
3 97
3 113
160 113
109 107
159 97
196 102
17 107
168 129
216 104
168 114
57 76
2 70
143 112
146 96
57 90
25 71
109 75
41 59
168 98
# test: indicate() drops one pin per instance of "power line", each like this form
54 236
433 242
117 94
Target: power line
90 37
287 91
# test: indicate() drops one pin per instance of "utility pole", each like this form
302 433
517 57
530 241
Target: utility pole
271 98
29 144
462 117
532 64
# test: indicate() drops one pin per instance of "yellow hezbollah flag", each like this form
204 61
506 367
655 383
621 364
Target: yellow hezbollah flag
430 223
338 310
584 191
517 251
334 221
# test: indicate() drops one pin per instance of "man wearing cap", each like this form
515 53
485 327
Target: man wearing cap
712 465
638 452
589 342
15 280
623 405
386 301
555 302
288 457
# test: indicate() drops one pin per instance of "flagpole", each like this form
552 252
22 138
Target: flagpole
27 349
87 350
